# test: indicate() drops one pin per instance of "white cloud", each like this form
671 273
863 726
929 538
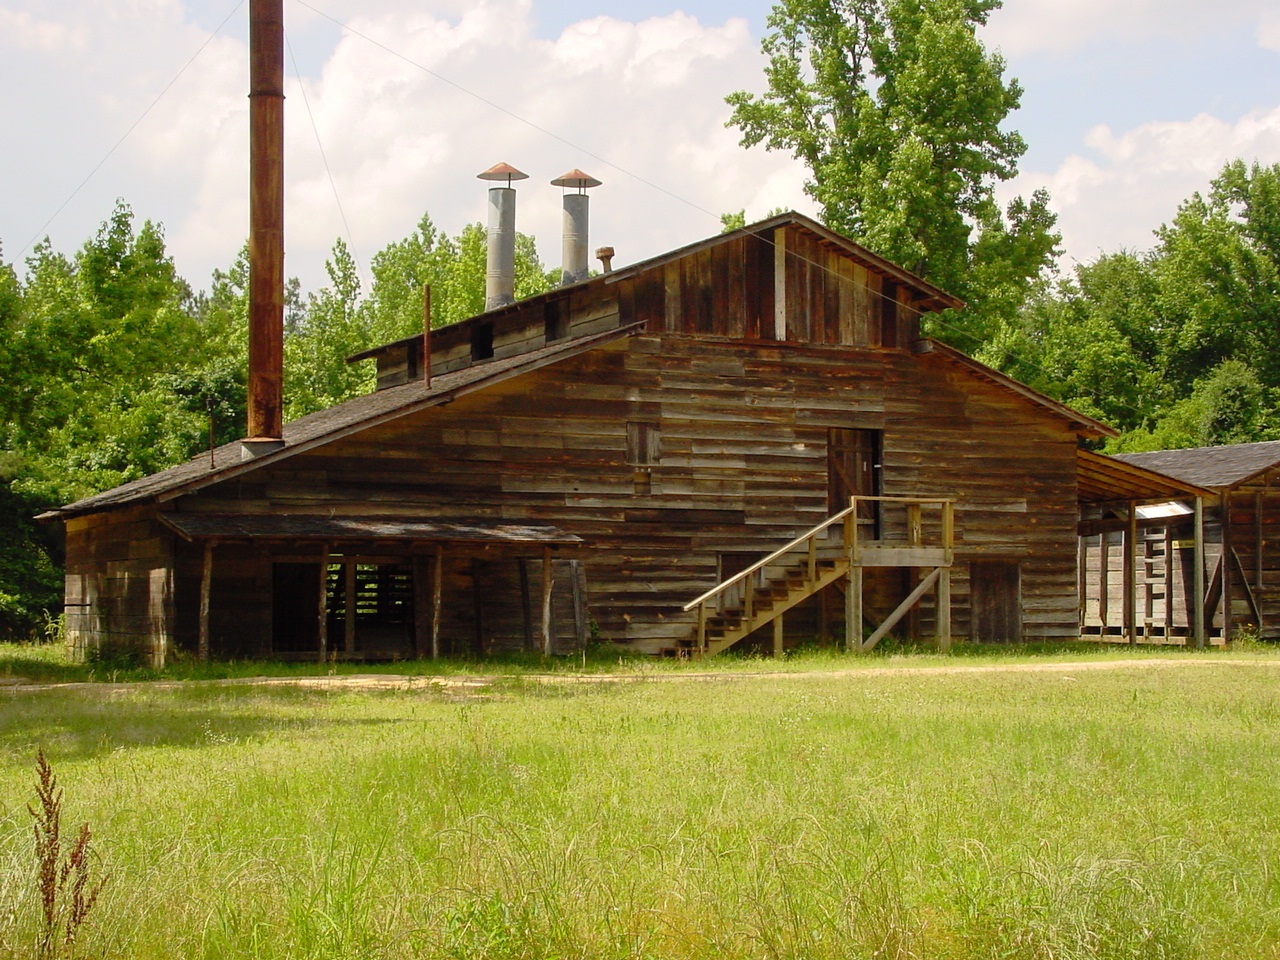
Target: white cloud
1065 26
1133 182
1269 30
19 28
638 105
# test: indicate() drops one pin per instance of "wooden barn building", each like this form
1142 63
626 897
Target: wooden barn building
618 459
1142 576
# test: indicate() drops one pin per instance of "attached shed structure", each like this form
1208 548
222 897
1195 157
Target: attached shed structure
1241 530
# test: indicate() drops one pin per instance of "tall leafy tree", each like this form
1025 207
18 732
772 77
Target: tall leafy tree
1174 346
897 110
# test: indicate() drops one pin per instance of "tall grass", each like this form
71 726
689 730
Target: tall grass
1120 813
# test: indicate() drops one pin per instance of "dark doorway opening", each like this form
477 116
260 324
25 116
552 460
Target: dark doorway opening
295 607
995 601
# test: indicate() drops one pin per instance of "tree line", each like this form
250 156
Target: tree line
115 367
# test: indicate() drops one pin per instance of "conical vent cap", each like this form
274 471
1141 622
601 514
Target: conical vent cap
575 178
502 171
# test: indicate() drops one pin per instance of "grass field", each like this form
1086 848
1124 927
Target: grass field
914 807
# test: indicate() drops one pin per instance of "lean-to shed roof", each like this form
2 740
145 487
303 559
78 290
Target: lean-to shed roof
1221 467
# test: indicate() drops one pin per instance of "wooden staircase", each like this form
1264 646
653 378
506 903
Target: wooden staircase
829 553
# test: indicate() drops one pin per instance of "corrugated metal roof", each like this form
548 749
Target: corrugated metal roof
211 526
1218 467
326 425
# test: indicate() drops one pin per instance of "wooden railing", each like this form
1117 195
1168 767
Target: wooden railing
736 596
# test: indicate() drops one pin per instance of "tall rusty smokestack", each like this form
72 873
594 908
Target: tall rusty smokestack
576 209
266 224
500 264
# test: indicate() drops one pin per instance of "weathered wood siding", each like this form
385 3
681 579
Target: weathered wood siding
787 284
673 455
119 584
741 467
1253 512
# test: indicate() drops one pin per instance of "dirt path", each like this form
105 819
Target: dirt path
477 683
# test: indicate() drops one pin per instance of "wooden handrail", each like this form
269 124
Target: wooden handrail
946 503
720 588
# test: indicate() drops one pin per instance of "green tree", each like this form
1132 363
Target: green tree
896 109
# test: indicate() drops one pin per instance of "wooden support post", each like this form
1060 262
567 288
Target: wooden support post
1082 582
1197 602
1257 553
1168 583
581 617
526 603
548 628
437 594
852 595
1104 576
780 283
206 589
349 606
421 628
944 610
915 525
1228 586
853 611
824 616
322 607
426 334
777 637
1131 575
477 610
702 627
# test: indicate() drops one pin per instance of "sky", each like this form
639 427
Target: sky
394 106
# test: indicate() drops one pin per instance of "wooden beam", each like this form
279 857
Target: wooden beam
526 603
426 334
944 610
1257 554
477 610
912 598
1131 575
421 627
349 606
1197 602
780 283
206 589
777 637
437 592
1104 577
1228 577
581 616
548 630
1249 596
322 606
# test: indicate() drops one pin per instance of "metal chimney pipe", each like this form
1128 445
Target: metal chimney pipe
266 220
576 210
500 262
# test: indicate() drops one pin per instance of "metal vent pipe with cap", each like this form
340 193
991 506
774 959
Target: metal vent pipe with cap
576 209
500 263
